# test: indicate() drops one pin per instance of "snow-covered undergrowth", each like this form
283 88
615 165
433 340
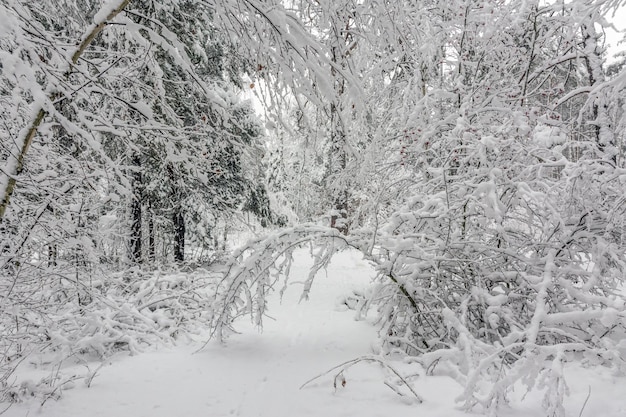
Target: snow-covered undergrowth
282 371
65 322
492 316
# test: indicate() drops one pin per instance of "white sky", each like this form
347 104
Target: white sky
613 38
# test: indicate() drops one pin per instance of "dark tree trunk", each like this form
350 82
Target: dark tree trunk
179 235
52 254
135 213
151 240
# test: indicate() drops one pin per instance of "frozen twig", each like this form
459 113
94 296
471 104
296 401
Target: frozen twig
585 403
348 364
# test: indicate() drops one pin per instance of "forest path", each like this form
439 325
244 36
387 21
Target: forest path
260 374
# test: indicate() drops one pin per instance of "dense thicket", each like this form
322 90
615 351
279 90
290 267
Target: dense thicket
483 158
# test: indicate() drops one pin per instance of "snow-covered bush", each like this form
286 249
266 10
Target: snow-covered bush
496 276
65 320
501 279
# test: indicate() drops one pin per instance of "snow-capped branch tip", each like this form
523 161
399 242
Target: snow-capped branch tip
99 24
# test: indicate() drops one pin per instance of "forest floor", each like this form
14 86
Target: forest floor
260 373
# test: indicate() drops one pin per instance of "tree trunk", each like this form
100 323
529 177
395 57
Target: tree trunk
135 212
603 130
179 234
151 239
225 238
52 254
338 158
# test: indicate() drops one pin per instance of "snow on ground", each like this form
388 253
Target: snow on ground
260 374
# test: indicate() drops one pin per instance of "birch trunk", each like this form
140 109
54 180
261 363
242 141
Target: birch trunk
15 163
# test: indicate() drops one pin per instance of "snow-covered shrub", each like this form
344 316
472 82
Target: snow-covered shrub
126 311
496 278
506 263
